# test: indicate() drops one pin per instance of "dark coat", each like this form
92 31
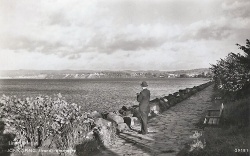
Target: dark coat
143 99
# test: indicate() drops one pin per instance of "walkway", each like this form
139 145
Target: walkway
168 132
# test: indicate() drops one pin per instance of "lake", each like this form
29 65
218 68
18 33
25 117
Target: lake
96 94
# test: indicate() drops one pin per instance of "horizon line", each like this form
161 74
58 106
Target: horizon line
98 70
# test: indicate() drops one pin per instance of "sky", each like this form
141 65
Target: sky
120 34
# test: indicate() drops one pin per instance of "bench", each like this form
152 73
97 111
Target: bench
213 116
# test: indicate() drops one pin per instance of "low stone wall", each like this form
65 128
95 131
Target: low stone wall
106 124
162 104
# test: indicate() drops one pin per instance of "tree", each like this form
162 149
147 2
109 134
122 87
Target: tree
232 73
245 59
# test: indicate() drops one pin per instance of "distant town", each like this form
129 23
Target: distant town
88 74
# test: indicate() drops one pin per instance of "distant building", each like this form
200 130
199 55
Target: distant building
172 75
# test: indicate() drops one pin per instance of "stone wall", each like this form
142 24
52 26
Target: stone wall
166 102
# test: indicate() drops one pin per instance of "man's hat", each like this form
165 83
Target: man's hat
144 84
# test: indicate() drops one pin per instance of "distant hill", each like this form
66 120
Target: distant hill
192 71
88 74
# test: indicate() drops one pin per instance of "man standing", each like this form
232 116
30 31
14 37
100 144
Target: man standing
143 99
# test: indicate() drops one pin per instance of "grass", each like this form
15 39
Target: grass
222 141
232 134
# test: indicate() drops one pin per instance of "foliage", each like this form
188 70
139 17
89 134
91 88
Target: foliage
233 73
195 147
35 120
197 144
245 60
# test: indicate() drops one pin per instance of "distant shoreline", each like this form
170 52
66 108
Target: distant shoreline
207 79
73 74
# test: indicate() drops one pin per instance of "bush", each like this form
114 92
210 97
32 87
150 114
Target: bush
233 73
36 121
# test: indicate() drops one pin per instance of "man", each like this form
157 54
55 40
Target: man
143 99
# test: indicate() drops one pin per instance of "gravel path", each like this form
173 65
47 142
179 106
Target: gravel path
168 132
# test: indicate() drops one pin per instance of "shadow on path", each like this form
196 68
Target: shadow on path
139 142
102 151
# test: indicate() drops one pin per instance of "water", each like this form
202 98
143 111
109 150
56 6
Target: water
96 94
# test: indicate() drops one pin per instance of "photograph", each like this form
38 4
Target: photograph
125 78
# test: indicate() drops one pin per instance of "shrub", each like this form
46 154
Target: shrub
233 73
35 120
197 144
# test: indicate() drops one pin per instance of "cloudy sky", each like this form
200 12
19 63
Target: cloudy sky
120 34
